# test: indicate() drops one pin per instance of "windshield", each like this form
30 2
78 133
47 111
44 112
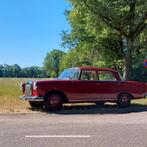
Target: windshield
71 73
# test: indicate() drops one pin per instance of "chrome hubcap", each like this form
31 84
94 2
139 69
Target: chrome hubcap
54 101
124 98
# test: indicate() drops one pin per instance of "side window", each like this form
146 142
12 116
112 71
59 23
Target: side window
88 75
106 76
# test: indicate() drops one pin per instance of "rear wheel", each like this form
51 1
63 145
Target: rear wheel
53 102
124 100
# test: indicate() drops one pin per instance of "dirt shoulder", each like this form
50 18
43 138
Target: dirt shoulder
71 109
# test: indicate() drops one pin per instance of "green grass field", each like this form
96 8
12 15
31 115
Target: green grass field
10 92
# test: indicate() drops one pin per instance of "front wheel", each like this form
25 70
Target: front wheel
124 100
53 102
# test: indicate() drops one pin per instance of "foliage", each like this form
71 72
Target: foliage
52 62
113 32
16 71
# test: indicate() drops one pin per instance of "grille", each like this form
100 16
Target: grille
28 89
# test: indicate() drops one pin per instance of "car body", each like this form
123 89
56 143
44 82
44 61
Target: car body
83 84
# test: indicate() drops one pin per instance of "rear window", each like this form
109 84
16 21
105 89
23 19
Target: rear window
106 76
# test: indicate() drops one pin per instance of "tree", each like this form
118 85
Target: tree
52 62
95 21
7 72
129 21
91 41
34 72
16 70
1 70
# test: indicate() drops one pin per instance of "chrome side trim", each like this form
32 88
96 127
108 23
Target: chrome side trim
31 98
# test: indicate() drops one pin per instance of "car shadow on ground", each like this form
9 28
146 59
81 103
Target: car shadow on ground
106 109
95 109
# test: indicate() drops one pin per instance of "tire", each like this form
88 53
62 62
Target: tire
124 100
36 104
53 102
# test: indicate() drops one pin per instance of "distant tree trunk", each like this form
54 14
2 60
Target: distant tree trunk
56 70
130 40
128 59
57 73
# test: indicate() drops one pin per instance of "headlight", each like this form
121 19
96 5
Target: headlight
34 85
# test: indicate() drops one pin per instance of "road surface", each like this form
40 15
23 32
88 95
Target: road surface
72 129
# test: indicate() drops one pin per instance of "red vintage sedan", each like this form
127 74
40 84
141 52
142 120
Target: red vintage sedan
83 84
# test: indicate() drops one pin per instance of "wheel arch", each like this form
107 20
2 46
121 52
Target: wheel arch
63 96
125 92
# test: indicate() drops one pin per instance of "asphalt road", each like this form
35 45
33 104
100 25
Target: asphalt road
74 130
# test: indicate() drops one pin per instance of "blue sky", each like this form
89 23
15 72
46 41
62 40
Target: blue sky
29 29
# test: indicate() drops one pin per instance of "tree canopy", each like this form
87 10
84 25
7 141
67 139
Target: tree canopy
52 62
111 32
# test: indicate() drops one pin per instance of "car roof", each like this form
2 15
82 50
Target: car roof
96 68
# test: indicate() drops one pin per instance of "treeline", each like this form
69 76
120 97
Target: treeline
27 72
57 60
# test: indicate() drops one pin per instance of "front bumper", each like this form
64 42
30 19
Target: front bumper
31 98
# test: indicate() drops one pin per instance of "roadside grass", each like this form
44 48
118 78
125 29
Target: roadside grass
140 101
10 92
9 96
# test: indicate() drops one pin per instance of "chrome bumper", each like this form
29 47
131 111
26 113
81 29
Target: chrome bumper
31 98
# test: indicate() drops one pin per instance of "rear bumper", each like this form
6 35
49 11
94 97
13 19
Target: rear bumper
31 98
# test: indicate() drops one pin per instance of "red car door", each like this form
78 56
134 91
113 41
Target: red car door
86 88
109 86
